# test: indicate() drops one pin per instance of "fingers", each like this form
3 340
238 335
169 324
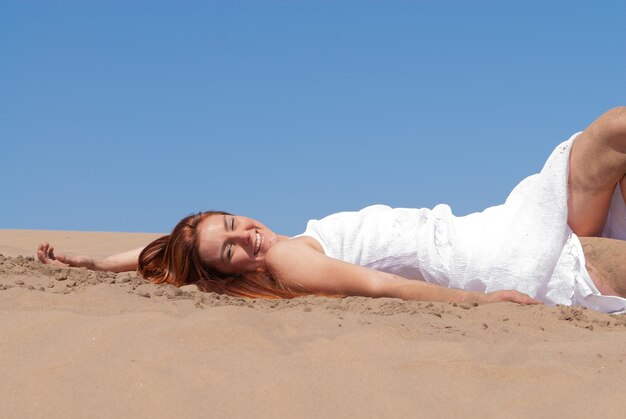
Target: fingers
513 297
45 254
41 252
522 298
527 299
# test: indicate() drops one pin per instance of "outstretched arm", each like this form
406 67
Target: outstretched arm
120 262
298 264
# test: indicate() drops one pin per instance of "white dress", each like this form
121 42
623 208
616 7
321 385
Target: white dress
524 244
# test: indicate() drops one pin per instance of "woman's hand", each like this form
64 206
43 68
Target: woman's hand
119 262
45 254
505 296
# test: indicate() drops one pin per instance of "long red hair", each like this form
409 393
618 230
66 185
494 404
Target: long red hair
174 259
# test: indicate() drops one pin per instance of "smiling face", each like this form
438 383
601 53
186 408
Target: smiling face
233 244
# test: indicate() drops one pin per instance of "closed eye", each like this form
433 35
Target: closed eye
229 253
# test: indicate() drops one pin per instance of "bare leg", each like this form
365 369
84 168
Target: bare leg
606 264
597 164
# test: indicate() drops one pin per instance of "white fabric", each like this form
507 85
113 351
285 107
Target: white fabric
524 244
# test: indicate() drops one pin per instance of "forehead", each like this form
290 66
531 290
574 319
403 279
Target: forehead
211 237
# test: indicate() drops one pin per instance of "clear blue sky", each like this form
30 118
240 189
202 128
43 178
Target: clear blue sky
128 115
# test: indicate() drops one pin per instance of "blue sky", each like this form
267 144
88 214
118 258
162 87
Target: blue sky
128 115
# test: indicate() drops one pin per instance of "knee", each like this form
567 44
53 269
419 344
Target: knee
612 126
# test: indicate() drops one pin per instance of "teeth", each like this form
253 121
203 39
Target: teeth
257 243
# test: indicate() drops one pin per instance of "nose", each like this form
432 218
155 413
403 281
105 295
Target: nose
241 237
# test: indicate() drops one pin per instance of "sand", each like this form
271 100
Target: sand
75 344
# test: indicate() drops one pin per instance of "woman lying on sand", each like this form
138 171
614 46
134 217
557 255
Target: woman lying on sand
543 244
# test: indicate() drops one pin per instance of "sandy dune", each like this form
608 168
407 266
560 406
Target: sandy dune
75 343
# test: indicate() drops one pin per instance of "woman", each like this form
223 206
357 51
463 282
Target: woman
542 245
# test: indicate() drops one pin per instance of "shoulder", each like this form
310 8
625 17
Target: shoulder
292 247
295 262
300 263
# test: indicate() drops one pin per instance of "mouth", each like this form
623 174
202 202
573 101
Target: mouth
257 243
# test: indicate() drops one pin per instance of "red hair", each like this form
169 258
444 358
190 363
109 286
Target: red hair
174 259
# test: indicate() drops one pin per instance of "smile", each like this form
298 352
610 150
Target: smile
257 243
